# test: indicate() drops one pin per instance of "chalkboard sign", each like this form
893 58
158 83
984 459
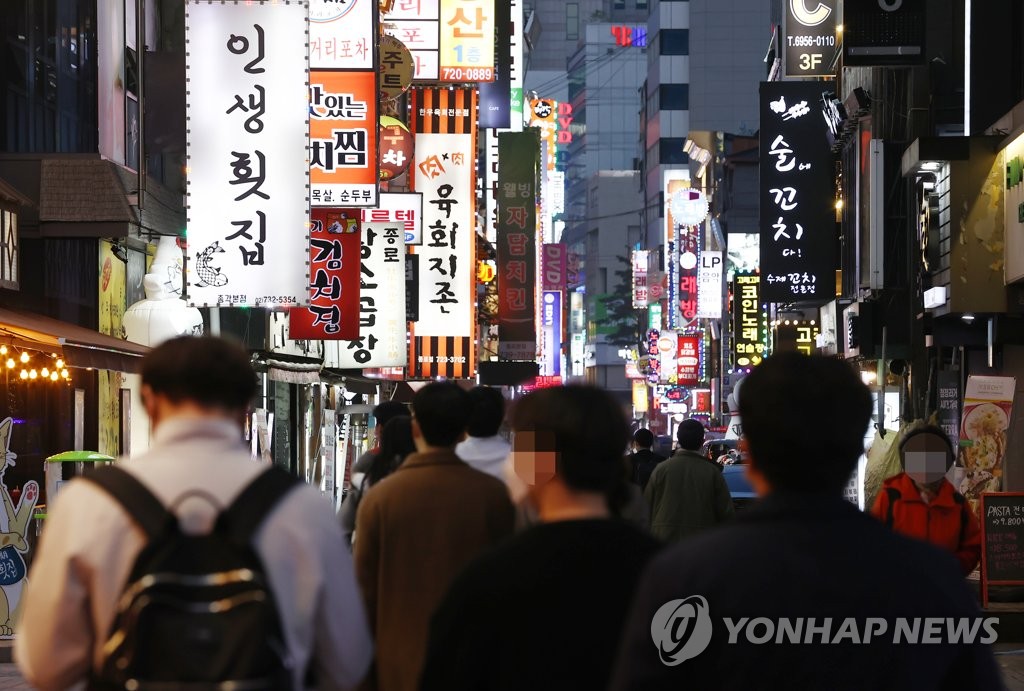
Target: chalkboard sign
1002 540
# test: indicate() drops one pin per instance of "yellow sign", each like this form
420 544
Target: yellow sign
467 41
113 283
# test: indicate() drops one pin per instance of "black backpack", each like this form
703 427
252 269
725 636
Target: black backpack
197 612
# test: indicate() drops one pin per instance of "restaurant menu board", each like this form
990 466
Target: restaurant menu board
798 223
988 403
1002 547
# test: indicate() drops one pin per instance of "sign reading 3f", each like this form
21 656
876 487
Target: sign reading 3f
810 37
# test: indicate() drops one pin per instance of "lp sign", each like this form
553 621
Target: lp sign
709 286
810 37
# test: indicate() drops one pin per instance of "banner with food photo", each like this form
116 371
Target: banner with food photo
988 403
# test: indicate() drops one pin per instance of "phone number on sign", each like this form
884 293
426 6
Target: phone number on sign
467 74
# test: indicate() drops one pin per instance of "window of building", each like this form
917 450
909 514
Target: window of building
619 5
670 150
674 41
641 4
675 96
572 21
8 249
49 86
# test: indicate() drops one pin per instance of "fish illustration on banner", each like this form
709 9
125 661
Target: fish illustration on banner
14 522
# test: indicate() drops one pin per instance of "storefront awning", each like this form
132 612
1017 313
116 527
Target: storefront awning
79 346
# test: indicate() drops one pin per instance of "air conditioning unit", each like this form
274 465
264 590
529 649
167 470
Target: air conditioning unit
883 32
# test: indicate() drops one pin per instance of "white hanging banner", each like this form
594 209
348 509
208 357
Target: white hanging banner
382 325
248 172
444 174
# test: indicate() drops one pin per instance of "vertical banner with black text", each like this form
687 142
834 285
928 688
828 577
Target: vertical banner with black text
444 172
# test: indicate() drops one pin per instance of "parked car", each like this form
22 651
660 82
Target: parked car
733 465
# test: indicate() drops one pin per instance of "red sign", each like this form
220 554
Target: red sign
689 360
543 381
334 248
553 266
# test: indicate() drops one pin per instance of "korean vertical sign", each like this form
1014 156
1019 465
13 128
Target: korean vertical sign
798 227
750 323
519 160
248 180
381 341
444 123
333 310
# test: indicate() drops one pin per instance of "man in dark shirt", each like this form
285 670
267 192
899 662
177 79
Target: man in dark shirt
643 459
545 610
721 610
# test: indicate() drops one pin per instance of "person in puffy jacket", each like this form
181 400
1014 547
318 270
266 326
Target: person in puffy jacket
921 503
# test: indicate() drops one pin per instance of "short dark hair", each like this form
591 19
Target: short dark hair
211 371
690 434
442 410
588 429
805 418
387 410
643 438
487 410
395 444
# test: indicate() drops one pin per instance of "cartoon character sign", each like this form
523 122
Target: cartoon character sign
14 522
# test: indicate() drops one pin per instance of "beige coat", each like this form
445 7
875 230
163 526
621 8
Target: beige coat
415 530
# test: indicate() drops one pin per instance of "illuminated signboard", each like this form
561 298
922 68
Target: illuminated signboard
450 40
625 36
798 226
640 292
343 129
750 323
247 147
810 37
688 369
796 335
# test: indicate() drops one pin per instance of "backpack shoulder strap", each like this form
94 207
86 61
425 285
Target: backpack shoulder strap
251 506
136 499
961 501
894 496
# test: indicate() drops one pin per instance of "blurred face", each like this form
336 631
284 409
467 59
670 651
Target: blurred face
926 458
534 457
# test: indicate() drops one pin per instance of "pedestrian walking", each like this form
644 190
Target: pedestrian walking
544 611
483 448
687 492
921 503
643 460
803 590
418 528
396 443
297 606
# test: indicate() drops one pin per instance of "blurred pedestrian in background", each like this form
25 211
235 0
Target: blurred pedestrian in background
395 444
643 459
804 556
483 448
545 610
687 492
417 528
921 503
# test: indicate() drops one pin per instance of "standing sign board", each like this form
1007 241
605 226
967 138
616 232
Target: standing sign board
988 405
798 226
1002 540
248 182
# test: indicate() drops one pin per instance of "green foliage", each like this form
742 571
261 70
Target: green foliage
620 323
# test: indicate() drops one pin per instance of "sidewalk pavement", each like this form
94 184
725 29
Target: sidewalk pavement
1009 656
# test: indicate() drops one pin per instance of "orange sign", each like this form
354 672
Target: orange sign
343 138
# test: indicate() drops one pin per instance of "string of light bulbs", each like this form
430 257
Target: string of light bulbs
14 359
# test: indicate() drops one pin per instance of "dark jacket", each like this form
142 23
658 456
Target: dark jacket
641 464
805 556
687 493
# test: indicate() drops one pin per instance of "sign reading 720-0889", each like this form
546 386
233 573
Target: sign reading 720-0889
810 37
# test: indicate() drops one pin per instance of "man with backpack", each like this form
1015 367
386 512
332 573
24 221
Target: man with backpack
193 565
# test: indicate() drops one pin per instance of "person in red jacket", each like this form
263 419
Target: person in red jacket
920 502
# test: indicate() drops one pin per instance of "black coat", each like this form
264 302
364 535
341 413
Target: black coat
641 464
802 556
